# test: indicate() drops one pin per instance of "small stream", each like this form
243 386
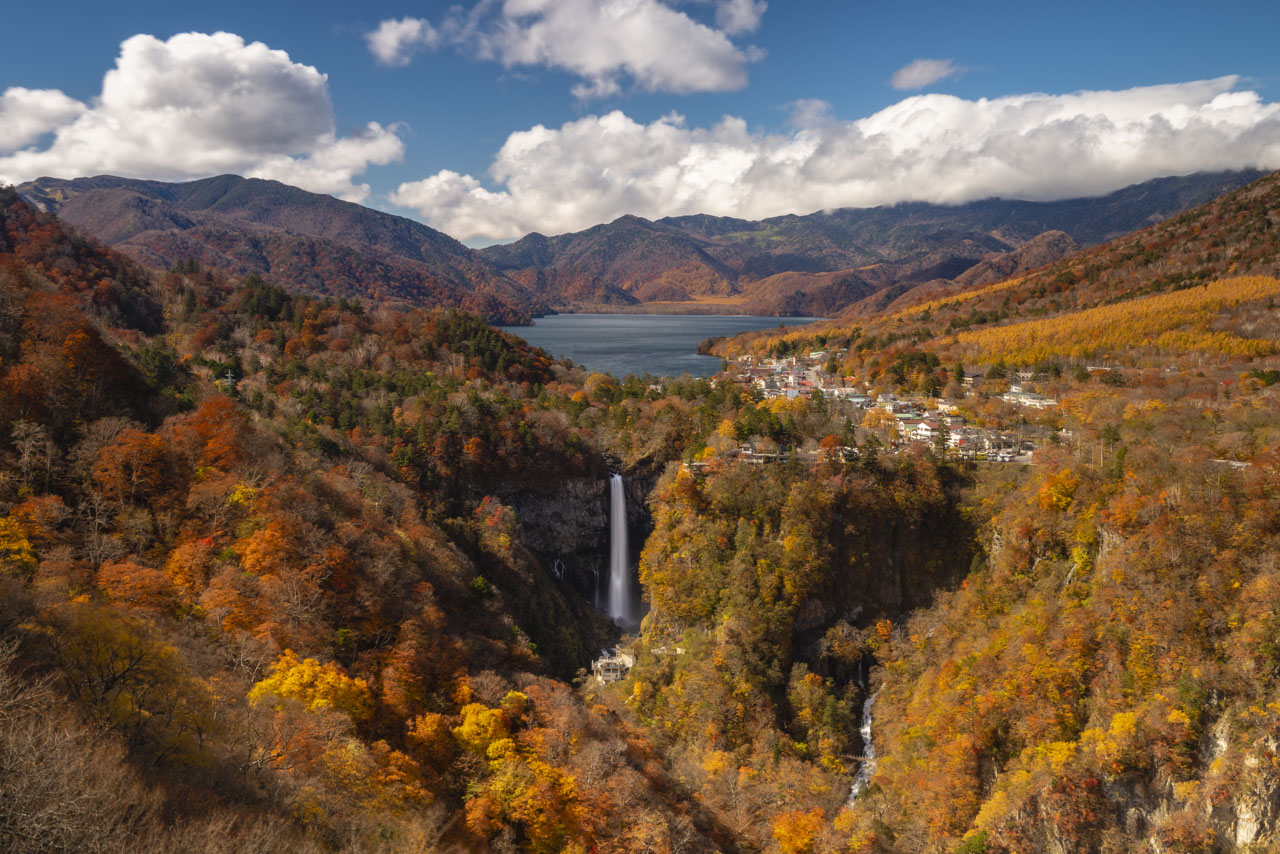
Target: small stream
868 766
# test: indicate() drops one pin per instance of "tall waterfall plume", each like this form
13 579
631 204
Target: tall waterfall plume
621 608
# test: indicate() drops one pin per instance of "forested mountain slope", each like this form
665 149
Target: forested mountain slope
303 241
1102 679
817 264
276 563
823 262
251 536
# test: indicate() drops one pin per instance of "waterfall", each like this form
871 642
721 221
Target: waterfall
868 766
621 609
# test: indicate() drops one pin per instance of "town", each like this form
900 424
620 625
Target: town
1000 421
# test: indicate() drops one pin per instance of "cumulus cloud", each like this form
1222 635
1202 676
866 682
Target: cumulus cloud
604 42
28 114
809 113
394 41
199 105
328 169
933 148
736 17
923 72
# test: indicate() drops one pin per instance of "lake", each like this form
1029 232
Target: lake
659 344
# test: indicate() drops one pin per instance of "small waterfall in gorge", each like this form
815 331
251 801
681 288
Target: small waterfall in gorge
621 609
868 766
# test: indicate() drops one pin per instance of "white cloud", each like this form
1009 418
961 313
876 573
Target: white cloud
394 41
736 17
199 105
809 113
923 72
657 47
933 148
28 114
330 167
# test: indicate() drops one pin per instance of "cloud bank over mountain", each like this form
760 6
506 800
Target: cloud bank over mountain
934 148
193 106
202 104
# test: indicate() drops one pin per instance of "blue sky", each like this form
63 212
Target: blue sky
632 98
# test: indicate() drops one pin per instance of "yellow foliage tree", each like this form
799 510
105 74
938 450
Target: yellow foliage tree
481 726
129 679
315 686
188 567
1058 490
16 554
797 831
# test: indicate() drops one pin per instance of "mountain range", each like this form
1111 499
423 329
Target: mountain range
825 261
304 241
817 264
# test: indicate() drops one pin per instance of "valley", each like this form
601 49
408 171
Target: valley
639 427
322 573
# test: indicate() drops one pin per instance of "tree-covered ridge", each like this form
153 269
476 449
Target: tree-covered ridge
1234 236
280 556
307 242
1181 321
1100 680
759 583
1103 675
255 549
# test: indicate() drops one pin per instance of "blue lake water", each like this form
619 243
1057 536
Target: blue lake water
659 344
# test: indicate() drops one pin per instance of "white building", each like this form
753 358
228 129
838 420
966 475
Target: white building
612 667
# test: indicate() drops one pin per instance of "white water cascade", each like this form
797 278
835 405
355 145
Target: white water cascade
868 766
621 608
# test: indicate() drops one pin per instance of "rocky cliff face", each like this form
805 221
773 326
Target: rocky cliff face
567 526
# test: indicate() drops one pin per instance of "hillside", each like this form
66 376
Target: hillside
1102 678
819 264
628 260
304 241
785 265
283 572
255 570
1232 236
280 572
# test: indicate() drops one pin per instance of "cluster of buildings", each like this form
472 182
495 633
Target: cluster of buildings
907 419
797 376
944 427
1018 396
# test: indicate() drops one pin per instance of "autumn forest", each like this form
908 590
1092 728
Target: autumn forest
291 572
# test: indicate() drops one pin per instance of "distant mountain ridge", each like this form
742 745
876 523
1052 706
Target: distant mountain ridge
783 265
822 263
305 241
